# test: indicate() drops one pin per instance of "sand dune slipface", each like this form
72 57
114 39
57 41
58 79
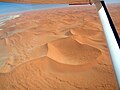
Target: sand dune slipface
69 51
55 49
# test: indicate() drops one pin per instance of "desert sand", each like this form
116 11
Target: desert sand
56 49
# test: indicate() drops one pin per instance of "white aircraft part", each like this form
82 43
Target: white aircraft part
112 43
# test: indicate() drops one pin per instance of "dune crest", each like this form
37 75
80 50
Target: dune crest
69 51
55 49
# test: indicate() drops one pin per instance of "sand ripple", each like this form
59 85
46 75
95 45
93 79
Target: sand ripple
69 51
57 49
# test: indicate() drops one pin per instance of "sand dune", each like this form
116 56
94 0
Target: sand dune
55 49
71 52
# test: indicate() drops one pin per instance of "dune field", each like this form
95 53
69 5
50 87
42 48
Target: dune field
56 49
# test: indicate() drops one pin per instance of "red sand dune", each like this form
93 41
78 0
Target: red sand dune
56 49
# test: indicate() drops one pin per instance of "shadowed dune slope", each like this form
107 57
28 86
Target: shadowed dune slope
56 49
71 52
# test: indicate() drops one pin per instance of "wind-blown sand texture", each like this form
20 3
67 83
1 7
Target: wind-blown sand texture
56 49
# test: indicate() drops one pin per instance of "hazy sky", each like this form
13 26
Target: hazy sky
112 1
6 8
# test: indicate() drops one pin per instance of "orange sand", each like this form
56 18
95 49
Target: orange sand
56 49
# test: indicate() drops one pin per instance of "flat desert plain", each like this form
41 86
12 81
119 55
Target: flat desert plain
56 49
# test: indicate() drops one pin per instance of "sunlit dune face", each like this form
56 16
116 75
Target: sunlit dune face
69 51
55 49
